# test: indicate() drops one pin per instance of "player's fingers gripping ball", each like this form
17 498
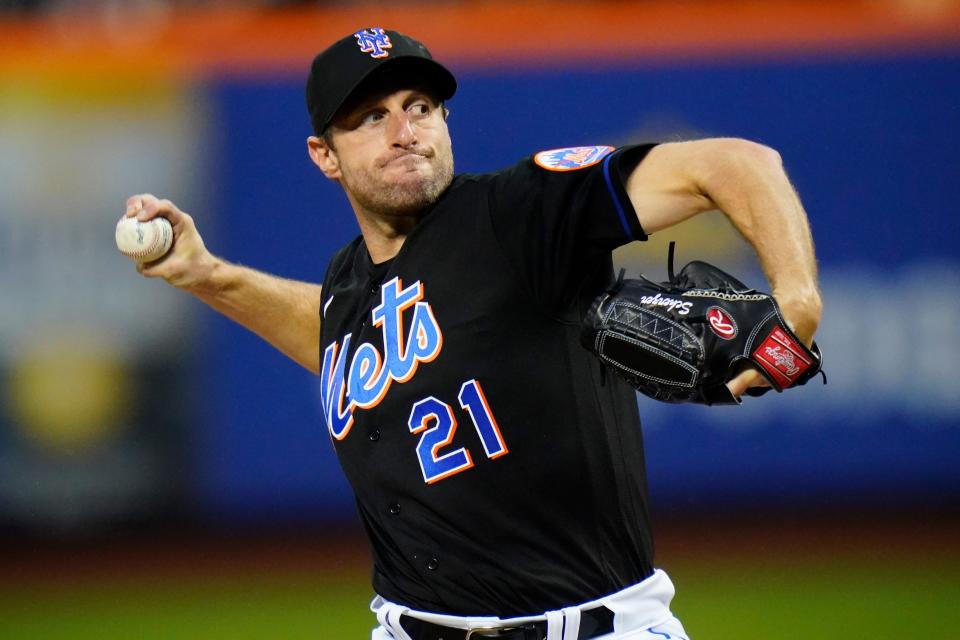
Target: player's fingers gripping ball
144 241
682 340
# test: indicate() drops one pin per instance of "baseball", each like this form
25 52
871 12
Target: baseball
144 241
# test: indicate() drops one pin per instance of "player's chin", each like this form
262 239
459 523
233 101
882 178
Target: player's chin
417 188
426 180
407 199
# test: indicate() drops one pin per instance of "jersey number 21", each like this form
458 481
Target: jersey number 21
434 420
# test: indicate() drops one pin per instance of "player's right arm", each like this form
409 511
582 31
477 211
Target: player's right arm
285 313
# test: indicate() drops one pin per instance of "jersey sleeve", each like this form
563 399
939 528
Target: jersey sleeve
559 214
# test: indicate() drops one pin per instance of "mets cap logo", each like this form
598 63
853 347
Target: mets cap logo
374 41
571 158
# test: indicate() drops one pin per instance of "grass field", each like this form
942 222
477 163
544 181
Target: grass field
880 595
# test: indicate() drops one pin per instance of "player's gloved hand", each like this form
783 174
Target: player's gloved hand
702 337
188 265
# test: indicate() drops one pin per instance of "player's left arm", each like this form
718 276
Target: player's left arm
747 182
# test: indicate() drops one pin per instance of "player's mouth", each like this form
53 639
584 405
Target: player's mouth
406 159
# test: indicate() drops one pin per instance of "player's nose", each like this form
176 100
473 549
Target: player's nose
402 133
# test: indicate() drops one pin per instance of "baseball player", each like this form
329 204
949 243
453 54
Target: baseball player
498 472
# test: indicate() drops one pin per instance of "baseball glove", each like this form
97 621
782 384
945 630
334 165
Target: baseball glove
682 340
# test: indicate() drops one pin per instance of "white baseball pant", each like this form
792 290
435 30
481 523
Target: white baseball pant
640 612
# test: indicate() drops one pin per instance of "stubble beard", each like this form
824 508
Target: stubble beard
403 198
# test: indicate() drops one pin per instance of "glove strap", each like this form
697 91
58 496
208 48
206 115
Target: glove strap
672 246
783 359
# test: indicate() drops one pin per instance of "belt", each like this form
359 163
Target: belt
593 623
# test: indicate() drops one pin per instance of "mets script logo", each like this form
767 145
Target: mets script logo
364 382
374 41
571 158
783 360
721 323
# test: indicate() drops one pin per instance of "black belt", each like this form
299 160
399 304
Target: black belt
593 623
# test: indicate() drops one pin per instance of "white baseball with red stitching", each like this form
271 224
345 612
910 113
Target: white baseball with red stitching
144 241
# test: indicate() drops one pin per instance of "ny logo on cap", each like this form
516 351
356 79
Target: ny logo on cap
374 41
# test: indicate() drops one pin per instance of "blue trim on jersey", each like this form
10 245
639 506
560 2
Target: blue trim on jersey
616 199
660 633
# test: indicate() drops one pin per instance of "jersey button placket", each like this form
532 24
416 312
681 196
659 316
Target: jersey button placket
374 435
433 564
394 509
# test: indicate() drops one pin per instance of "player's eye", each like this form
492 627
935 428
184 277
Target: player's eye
420 109
371 117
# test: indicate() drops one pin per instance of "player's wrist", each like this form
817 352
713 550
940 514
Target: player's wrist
211 276
802 309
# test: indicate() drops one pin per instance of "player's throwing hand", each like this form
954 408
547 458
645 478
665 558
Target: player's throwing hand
189 264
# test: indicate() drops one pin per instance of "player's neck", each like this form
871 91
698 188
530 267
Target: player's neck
384 237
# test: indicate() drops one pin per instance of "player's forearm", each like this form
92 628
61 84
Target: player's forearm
285 313
750 186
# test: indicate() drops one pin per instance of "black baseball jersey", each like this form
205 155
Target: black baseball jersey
497 470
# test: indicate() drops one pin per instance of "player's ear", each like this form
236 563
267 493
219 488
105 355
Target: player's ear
324 156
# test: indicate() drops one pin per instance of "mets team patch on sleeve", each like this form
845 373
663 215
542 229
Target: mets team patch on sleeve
571 158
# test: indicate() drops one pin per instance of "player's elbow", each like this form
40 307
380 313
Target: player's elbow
756 152
732 161
738 154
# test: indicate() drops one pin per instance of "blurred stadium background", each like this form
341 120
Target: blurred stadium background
163 474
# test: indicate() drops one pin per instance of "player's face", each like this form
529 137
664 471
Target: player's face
393 153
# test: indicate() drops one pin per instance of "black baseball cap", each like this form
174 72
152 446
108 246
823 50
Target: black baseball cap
358 61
